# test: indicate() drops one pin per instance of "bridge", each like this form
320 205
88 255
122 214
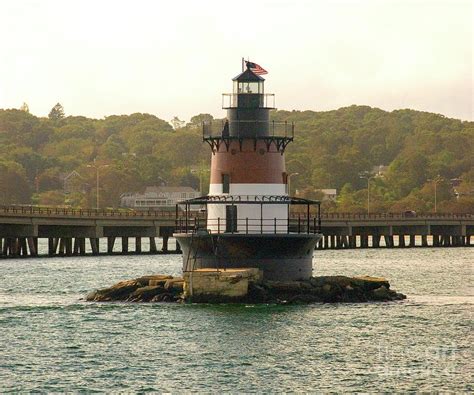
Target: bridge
71 232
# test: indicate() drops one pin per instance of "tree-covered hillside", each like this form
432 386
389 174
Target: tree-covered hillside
331 150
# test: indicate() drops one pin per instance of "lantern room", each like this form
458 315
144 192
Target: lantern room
248 83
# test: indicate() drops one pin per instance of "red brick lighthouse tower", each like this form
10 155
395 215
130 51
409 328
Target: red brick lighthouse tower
248 211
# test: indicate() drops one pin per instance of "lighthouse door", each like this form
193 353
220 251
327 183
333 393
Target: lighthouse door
231 219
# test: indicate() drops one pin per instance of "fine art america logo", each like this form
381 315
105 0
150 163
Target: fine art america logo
393 361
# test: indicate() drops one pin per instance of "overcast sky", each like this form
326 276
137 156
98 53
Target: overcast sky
176 57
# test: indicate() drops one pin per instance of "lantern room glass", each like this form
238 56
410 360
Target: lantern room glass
248 87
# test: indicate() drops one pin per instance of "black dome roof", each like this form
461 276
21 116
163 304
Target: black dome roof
248 76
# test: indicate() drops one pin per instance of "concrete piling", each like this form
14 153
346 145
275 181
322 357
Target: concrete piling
138 245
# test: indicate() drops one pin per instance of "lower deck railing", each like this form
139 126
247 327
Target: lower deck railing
248 225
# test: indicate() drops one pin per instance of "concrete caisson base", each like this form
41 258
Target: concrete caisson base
281 257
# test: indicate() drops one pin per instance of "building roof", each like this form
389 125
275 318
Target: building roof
248 76
65 176
164 189
328 191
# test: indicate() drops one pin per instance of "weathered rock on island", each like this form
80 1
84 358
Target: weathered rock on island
324 289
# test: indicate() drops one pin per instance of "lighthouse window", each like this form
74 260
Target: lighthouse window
250 87
225 183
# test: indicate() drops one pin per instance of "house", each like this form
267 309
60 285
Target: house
379 170
321 194
328 194
73 182
157 197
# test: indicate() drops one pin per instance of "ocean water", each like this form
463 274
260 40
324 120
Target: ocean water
51 340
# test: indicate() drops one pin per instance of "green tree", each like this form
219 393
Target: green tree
198 120
51 198
57 112
14 187
177 123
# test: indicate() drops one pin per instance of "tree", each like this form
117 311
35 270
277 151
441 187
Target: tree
57 112
51 198
197 120
14 187
177 123
24 107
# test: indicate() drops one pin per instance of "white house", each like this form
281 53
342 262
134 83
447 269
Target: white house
329 194
157 197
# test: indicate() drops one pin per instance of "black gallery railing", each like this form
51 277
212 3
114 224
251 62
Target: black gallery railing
188 222
248 225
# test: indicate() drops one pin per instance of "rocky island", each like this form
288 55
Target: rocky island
324 289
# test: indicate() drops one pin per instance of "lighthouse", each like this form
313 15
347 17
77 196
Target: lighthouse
249 219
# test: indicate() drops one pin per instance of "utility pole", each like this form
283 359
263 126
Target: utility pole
200 171
437 179
289 181
96 167
366 175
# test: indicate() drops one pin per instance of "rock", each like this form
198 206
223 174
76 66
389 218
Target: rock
145 294
327 289
331 293
91 296
167 297
341 281
305 298
284 286
382 293
174 285
154 279
119 291
370 283
257 293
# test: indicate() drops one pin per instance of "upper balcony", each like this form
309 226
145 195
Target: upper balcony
274 133
247 129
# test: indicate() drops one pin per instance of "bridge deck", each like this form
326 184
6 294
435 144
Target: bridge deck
67 229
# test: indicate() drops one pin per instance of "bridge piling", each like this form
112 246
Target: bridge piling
32 243
75 250
375 241
165 243
62 247
110 244
401 241
352 242
124 245
94 241
138 245
153 245
68 243
424 240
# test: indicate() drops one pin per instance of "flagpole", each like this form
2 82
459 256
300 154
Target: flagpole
242 64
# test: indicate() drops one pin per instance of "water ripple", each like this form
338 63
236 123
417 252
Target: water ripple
52 341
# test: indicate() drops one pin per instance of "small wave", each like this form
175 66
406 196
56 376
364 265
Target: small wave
441 300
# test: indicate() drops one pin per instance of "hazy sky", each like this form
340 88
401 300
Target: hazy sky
176 57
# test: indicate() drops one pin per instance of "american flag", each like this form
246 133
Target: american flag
256 69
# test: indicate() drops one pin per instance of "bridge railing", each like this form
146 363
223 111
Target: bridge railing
76 212
382 216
